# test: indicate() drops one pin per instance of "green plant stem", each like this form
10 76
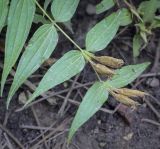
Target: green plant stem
57 26
133 10
86 56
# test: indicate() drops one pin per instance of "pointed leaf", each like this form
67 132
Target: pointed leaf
104 5
20 18
126 75
66 67
39 49
148 9
95 97
63 10
3 12
102 33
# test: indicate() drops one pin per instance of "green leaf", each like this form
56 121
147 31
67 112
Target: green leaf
20 18
102 33
104 5
66 67
63 10
148 10
126 75
39 49
125 18
137 44
95 97
3 12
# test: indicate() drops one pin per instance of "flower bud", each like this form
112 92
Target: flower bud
109 61
125 100
103 70
131 93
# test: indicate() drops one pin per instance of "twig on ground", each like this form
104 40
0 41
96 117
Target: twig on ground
58 134
4 145
45 131
12 136
78 103
150 121
61 127
61 110
152 108
38 123
155 99
51 94
9 144
150 75
35 127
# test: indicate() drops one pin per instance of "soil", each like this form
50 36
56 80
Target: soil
124 129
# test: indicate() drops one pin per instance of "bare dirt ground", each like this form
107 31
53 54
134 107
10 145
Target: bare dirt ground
45 125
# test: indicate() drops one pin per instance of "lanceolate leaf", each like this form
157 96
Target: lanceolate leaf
3 12
39 49
66 67
63 10
148 9
20 18
104 5
95 97
125 18
126 75
102 33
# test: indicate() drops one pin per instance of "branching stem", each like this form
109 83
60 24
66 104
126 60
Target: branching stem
57 26
86 56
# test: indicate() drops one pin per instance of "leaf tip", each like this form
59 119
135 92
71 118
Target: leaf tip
146 64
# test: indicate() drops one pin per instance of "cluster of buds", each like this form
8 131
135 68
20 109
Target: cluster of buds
124 96
106 64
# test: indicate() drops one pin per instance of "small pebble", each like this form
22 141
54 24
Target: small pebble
153 82
22 98
128 136
99 122
102 144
